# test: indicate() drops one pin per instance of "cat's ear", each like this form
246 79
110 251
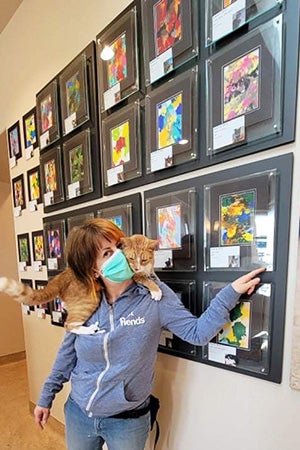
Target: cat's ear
153 244
124 242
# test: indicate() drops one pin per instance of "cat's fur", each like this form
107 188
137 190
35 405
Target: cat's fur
80 304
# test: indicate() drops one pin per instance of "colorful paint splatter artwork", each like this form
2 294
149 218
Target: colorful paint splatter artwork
120 144
169 121
167 24
237 332
50 175
241 85
34 186
46 113
24 250
169 226
38 243
54 243
14 142
76 161
73 94
18 193
117 220
117 65
237 218
30 130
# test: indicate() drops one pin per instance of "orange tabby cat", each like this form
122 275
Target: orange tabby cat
78 300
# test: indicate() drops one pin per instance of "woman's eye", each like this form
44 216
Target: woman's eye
107 253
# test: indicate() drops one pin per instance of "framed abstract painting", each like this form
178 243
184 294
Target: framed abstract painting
47 114
51 176
30 129
54 238
18 191
14 141
34 187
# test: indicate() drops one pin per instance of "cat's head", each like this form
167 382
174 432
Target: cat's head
139 252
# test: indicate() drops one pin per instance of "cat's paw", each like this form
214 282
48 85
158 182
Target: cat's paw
3 281
156 295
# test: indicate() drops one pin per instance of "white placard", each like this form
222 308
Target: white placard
74 189
162 258
160 159
228 19
218 353
112 96
29 152
12 162
44 139
161 65
32 205
37 266
22 266
113 175
52 263
225 256
41 313
17 211
70 122
25 310
228 133
48 198
56 316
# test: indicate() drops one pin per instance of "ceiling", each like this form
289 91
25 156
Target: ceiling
7 10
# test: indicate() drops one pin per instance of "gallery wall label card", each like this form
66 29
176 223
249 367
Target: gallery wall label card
22 266
52 263
17 211
225 256
228 133
44 139
37 266
160 159
32 205
70 122
161 65
112 96
229 18
74 189
114 174
29 152
48 198
12 162
218 352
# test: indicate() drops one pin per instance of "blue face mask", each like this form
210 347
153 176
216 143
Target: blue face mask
116 268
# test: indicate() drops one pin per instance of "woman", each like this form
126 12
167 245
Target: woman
110 381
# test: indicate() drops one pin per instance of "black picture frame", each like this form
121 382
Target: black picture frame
177 51
47 114
34 186
52 177
244 81
24 255
38 285
121 145
18 191
38 247
77 165
74 98
30 132
58 313
116 83
79 218
55 237
175 100
14 141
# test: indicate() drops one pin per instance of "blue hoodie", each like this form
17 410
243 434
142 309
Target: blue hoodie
112 371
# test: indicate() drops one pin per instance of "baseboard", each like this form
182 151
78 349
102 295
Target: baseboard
14 357
56 424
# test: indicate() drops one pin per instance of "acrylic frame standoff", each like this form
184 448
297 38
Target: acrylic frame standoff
74 98
223 17
30 133
121 145
55 238
77 165
171 122
170 218
244 89
51 176
18 191
14 141
47 114
170 36
118 76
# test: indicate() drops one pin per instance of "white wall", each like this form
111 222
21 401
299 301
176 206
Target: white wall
202 407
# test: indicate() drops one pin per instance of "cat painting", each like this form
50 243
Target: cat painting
78 300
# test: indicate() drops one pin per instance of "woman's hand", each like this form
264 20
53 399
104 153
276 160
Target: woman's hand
247 283
41 415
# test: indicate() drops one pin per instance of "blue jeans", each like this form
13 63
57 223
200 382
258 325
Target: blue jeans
90 433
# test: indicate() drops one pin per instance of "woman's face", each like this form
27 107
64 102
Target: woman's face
107 250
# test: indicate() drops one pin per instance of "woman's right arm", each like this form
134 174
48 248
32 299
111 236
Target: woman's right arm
64 363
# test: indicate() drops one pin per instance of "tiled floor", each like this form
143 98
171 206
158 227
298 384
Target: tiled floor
17 428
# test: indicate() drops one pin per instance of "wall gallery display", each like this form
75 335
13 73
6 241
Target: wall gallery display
14 141
170 218
121 145
77 165
170 34
225 16
30 130
51 176
47 114
240 217
74 94
18 191
117 59
54 238
171 122
244 80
